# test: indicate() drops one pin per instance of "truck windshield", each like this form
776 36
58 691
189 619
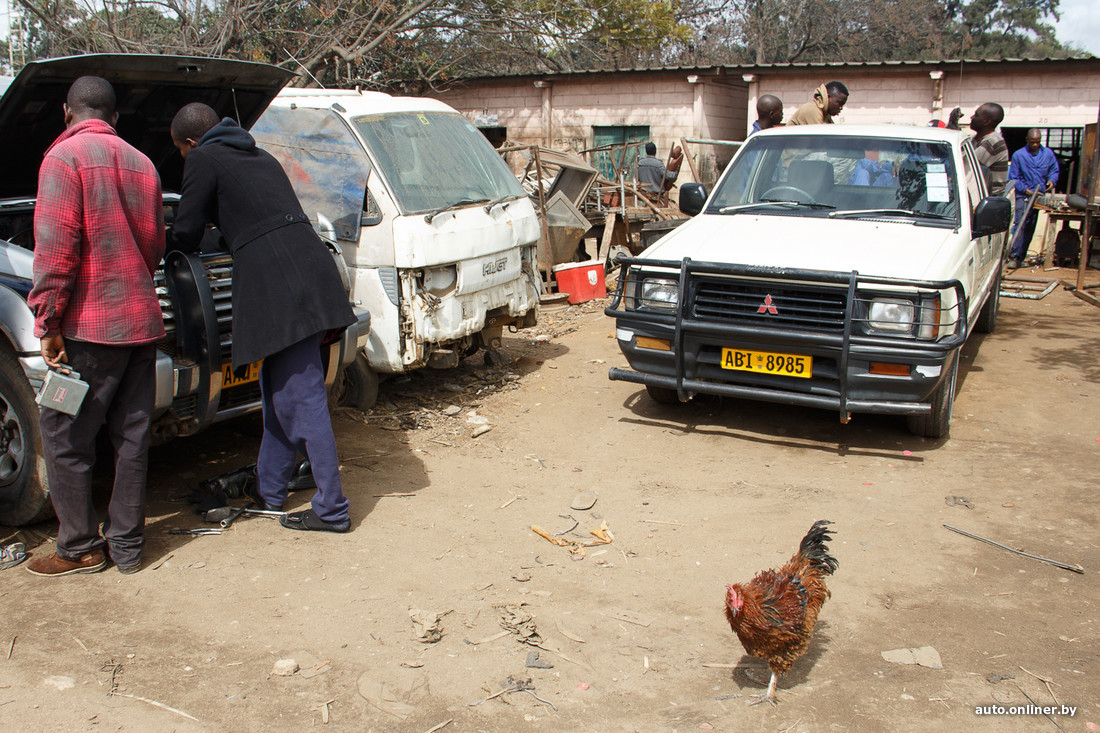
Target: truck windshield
434 160
831 175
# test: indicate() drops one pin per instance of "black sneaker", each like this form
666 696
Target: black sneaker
308 520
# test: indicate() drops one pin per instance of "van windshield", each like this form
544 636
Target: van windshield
433 160
323 161
832 176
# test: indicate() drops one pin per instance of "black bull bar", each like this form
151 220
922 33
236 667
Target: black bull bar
683 321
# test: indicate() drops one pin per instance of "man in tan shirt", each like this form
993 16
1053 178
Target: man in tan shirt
829 99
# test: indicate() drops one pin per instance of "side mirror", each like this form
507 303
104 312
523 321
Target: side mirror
992 215
692 198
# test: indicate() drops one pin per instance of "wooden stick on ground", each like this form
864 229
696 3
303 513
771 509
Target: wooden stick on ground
1055 563
154 703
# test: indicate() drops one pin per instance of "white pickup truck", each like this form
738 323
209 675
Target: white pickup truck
839 267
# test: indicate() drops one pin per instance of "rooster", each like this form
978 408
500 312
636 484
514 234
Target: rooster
774 613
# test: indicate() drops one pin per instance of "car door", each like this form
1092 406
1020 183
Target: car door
984 249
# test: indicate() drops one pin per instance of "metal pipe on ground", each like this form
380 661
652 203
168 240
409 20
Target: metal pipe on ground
1046 290
1016 234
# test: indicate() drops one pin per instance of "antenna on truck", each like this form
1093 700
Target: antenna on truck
311 76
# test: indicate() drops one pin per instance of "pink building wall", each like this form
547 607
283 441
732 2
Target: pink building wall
561 110
1030 97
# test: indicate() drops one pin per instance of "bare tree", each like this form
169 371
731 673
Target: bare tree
420 44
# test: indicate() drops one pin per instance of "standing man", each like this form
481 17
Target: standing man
1033 168
828 102
652 174
989 144
287 295
99 234
769 113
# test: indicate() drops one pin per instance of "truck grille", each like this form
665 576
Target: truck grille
775 304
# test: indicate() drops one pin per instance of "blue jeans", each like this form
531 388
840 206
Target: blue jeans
296 420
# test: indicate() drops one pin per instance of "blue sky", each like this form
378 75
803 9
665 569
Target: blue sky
1080 24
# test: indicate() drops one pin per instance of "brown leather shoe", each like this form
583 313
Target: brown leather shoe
53 565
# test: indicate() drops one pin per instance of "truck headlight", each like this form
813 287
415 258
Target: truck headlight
891 315
440 280
659 293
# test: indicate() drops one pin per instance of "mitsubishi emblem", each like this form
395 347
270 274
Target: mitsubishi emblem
767 307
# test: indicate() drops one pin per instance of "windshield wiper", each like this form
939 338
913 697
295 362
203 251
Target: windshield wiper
457 204
771 202
493 204
889 212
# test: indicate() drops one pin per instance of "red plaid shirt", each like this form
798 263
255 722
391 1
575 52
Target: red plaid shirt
99 234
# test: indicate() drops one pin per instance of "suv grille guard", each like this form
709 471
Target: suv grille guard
683 320
199 287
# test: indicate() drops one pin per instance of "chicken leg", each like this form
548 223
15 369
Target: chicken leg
768 696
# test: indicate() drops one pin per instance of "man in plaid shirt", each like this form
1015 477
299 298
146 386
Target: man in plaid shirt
99 234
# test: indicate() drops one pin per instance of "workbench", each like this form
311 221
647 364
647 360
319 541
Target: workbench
1050 231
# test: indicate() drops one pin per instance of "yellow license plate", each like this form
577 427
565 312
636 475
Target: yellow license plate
767 362
250 375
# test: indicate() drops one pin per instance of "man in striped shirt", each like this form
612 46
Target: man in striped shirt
989 144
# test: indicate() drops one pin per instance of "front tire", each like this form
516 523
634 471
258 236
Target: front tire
937 424
662 396
24 490
357 385
987 316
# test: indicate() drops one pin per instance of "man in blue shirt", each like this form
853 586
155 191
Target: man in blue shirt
1033 168
769 113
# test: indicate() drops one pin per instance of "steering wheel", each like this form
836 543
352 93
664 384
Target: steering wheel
788 193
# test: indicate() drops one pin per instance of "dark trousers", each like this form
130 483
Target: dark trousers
296 420
1030 218
121 393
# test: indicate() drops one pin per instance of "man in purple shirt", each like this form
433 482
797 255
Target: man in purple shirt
1033 168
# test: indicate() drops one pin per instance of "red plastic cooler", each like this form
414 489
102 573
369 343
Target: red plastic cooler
582 280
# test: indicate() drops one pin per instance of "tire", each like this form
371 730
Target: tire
662 395
24 490
357 385
937 424
987 316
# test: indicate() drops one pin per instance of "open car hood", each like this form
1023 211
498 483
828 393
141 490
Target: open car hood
150 91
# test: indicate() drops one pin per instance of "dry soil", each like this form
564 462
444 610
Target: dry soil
630 636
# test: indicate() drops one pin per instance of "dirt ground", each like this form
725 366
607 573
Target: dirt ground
631 637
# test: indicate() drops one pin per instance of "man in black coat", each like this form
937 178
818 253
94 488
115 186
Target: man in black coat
287 294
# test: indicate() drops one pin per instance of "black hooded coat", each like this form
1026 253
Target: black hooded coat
286 285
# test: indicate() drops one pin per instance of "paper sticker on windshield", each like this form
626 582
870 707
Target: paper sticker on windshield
423 120
935 182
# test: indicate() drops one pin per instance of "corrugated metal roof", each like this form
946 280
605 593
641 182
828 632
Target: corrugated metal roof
738 69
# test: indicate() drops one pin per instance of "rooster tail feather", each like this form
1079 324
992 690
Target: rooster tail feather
814 549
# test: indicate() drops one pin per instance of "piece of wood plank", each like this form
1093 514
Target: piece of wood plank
608 236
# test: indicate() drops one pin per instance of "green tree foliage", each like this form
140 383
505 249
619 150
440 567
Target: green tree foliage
778 31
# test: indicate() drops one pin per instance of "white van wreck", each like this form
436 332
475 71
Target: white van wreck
438 236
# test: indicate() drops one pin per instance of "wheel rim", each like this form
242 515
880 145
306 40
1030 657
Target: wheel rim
12 448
